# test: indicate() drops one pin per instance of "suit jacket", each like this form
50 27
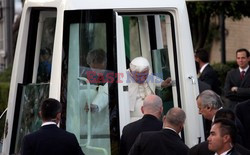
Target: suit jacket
50 140
203 86
164 142
234 151
210 77
202 149
132 130
242 112
233 80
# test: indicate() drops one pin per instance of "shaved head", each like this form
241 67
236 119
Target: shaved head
174 119
152 105
175 116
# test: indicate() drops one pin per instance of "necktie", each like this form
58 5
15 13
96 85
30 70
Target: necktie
242 75
198 75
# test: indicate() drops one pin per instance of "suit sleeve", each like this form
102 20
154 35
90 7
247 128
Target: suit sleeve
185 150
123 143
227 88
26 148
123 150
209 78
194 150
239 112
77 146
243 92
135 150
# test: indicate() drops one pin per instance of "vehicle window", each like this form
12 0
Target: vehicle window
88 83
150 36
46 50
35 86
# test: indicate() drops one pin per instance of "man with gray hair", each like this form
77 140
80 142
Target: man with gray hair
152 110
166 141
208 103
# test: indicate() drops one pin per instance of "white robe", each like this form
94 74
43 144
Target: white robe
135 99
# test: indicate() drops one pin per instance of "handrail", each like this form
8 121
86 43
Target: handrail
199 136
87 144
3 113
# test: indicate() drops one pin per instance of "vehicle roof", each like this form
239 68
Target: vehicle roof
105 4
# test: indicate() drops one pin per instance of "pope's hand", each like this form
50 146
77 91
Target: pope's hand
166 83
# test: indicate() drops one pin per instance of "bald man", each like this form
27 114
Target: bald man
152 110
164 142
141 84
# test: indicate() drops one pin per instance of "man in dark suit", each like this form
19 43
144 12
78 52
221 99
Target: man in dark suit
152 110
164 142
206 72
50 139
237 84
242 112
203 86
222 137
202 148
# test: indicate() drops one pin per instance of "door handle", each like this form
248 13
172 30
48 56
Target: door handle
192 78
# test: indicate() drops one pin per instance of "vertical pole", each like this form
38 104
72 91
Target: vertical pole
8 15
126 28
222 36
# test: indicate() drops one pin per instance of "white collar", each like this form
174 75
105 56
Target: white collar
244 69
203 67
213 119
215 114
224 153
48 123
169 129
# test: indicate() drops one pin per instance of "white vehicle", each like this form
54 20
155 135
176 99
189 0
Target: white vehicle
54 39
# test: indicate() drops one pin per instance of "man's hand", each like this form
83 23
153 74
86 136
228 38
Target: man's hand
234 89
93 107
166 83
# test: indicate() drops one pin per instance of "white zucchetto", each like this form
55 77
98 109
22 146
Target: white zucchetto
139 64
